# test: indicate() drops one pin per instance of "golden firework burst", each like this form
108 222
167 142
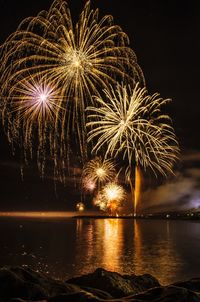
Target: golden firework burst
80 59
99 171
110 198
130 122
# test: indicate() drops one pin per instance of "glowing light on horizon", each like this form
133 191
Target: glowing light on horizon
37 214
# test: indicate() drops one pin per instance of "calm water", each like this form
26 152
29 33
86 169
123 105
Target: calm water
169 250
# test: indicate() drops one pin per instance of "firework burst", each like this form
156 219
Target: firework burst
130 122
110 198
100 202
81 59
88 184
33 100
98 171
30 112
112 192
80 206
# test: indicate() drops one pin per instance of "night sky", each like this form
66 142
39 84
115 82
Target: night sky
165 37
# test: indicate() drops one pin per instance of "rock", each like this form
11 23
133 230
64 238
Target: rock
16 300
17 282
142 282
51 286
84 294
165 294
24 285
76 297
13 286
192 284
115 284
97 292
159 294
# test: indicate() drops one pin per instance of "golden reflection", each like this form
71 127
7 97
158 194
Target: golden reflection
99 244
137 239
79 226
128 246
112 244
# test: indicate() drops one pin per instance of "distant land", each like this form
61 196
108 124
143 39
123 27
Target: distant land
189 214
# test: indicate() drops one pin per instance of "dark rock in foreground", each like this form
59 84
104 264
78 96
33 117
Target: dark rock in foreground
166 294
159 294
115 284
193 284
25 285
17 282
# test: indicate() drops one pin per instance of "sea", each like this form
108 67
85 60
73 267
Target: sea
69 247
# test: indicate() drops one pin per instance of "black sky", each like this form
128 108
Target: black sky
166 38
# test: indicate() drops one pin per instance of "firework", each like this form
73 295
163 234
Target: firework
33 100
100 202
30 113
129 122
99 171
80 59
80 206
112 192
88 184
110 197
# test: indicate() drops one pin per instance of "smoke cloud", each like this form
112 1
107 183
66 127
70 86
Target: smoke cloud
180 194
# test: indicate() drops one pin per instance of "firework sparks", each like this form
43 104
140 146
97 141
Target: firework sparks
81 60
110 197
131 123
88 184
99 171
80 206
112 192
100 202
30 115
35 99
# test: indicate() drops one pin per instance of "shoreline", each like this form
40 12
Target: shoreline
192 216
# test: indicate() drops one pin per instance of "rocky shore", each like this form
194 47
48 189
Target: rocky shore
23 285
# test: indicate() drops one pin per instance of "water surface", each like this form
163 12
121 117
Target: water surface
169 250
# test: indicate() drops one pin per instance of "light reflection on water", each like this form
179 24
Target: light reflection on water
129 247
169 250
